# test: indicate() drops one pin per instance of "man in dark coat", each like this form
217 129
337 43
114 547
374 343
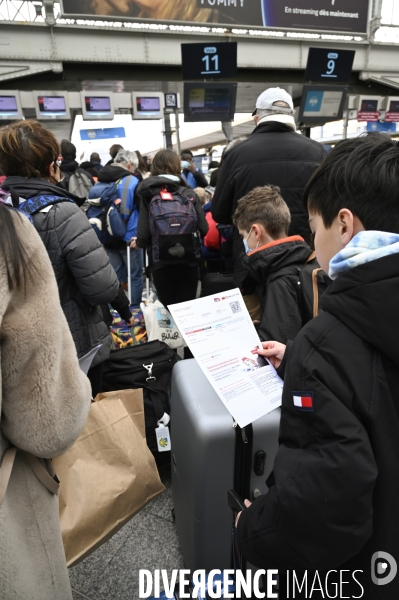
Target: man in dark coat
333 503
273 155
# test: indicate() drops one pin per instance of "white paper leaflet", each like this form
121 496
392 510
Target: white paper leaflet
219 332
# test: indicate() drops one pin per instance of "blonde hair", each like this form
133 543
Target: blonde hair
181 10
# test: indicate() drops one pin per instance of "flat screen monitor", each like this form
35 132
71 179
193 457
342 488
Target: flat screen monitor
51 105
209 101
10 106
147 105
209 60
322 104
369 106
394 106
97 105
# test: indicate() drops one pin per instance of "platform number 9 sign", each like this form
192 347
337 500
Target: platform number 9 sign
331 64
211 61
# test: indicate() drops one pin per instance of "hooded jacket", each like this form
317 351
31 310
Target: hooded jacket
84 276
44 403
334 496
112 173
149 188
273 155
274 268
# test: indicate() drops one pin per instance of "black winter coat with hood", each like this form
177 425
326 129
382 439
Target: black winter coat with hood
334 501
149 188
84 275
274 269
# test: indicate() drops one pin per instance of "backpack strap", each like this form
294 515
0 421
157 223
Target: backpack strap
311 257
315 291
125 192
46 475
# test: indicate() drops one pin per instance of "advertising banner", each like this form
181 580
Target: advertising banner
328 15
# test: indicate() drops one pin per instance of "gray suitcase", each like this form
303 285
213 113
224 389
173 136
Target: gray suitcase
204 466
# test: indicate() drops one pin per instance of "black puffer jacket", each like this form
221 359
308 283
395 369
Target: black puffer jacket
84 276
274 268
334 501
145 191
273 155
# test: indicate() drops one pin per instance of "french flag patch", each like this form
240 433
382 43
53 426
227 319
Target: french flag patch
303 401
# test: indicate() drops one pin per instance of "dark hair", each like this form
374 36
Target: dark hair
362 175
27 149
166 162
142 162
68 150
95 157
113 151
11 247
264 205
186 153
213 164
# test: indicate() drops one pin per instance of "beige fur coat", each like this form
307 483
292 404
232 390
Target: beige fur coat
44 402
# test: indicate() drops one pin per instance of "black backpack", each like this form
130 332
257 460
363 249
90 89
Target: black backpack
148 366
312 283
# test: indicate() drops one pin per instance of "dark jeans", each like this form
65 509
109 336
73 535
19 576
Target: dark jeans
176 284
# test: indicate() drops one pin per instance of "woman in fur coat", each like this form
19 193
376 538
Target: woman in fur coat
44 402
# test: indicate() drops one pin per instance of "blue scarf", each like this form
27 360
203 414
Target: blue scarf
364 247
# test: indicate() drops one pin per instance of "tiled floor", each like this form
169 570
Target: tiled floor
148 541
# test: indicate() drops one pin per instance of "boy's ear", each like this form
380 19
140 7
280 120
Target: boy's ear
349 225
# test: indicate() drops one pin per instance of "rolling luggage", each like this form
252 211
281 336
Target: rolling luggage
209 457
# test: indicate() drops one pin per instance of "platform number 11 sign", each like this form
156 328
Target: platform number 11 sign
209 61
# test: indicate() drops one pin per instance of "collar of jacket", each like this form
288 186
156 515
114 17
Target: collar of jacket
269 126
291 238
28 188
69 166
275 256
365 299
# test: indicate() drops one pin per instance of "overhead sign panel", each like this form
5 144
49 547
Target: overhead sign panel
334 66
202 61
326 15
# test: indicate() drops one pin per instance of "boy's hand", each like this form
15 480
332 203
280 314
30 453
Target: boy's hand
274 352
247 504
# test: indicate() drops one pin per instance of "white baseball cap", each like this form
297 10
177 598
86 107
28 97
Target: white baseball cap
267 99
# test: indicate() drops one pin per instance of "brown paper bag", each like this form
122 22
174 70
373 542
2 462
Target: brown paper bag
107 476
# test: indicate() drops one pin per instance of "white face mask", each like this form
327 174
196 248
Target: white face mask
185 164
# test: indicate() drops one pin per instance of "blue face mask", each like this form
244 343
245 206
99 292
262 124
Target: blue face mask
245 242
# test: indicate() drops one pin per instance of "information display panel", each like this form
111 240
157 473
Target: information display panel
148 105
10 105
322 104
97 105
209 101
52 105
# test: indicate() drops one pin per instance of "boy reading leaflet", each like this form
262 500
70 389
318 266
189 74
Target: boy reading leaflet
333 502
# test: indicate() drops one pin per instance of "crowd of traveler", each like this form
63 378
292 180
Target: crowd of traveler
333 494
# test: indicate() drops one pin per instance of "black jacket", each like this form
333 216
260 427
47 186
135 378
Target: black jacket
274 269
276 155
84 276
146 190
335 498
